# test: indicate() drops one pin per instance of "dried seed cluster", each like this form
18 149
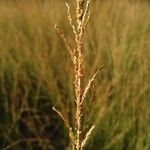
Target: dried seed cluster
78 28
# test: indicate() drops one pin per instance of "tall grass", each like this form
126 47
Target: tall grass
34 75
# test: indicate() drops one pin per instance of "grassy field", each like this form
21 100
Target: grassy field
36 74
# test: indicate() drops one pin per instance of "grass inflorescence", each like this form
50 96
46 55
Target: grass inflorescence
36 73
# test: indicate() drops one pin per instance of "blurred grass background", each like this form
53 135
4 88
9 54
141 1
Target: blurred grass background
36 74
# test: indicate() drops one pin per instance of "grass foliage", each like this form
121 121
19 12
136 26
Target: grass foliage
36 74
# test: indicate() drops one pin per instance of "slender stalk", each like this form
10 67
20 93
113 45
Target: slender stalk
78 72
78 140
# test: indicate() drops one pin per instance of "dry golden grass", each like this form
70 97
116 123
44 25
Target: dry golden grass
78 140
36 73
